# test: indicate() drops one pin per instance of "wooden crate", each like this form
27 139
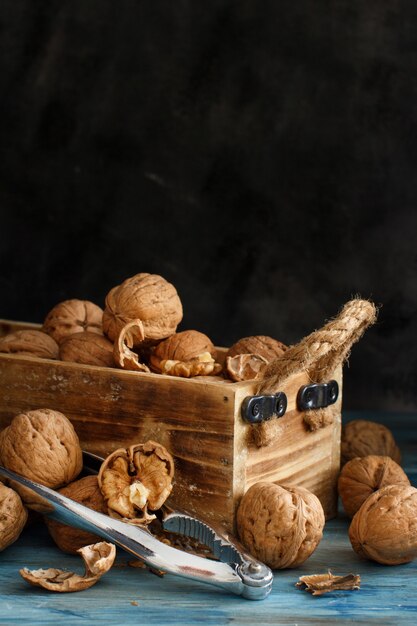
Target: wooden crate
198 420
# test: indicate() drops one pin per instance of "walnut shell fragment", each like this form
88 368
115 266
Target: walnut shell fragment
136 480
98 559
123 356
362 476
13 516
262 345
87 348
68 538
318 584
147 297
245 366
385 527
363 437
73 316
43 446
30 343
186 354
280 525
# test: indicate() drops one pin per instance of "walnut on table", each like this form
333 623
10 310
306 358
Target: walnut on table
68 538
362 476
87 348
186 354
136 480
363 437
28 342
280 525
43 446
98 559
13 516
73 316
384 529
147 297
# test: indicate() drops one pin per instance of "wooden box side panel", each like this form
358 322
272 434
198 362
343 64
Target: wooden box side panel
298 456
112 408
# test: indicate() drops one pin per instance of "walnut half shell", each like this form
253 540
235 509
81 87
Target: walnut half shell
136 480
98 559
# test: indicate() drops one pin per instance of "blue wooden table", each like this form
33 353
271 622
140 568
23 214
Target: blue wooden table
388 595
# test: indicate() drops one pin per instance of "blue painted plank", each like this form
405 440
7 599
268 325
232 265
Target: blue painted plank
387 596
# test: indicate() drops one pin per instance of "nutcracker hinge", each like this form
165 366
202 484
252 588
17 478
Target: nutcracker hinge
256 409
317 396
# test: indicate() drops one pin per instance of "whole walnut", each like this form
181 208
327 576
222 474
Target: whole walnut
73 316
87 492
280 525
30 342
189 353
13 516
361 476
87 348
147 297
264 346
363 437
385 527
43 446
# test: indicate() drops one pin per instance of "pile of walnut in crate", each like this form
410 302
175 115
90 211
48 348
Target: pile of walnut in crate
280 525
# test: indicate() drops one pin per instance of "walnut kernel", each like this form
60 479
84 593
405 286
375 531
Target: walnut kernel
362 476
136 480
188 353
280 525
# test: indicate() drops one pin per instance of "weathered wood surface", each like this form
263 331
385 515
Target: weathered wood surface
388 595
199 422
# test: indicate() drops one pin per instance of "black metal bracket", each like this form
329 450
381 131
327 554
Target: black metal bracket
256 409
317 396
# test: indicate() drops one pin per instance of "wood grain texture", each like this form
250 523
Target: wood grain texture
198 421
387 595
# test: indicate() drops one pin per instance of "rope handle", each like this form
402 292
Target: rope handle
320 353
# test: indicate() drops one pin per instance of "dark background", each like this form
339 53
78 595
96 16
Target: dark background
260 155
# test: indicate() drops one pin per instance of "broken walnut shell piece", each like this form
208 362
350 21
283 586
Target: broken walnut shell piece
87 348
68 538
98 559
73 316
147 297
318 584
136 480
28 342
125 358
245 366
362 476
186 354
